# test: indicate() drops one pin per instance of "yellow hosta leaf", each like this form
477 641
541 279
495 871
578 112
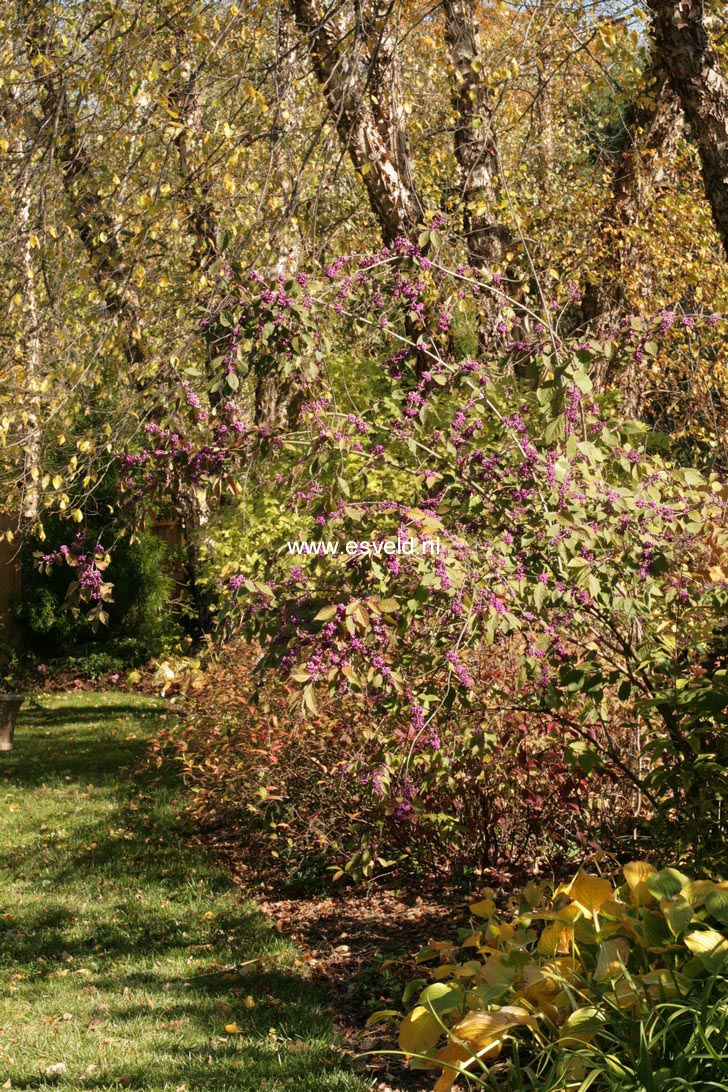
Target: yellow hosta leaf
697 891
445 971
612 958
625 995
505 931
569 913
480 1029
636 873
664 983
707 942
454 1057
483 909
556 939
419 1031
590 892
481 1035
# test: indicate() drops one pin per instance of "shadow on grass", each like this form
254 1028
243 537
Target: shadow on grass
62 741
116 895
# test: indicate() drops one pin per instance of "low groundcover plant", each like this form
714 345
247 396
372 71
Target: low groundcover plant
585 985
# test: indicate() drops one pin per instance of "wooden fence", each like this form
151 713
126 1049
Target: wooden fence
10 576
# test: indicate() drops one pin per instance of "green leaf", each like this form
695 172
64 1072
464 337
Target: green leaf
381 1017
665 884
678 914
442 997
717 905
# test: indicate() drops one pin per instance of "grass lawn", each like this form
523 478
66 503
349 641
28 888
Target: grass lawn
124 954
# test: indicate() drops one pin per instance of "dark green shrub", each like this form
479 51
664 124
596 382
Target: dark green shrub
140 622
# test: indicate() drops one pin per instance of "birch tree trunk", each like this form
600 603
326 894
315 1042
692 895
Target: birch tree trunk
30 485
276 406
356 64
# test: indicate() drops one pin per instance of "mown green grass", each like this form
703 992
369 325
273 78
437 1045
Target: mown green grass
123 952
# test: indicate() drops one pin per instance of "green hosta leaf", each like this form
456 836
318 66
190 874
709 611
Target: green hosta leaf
442 997
581 1027
412 988
717 904
668 882
656 931
381 1017
678 913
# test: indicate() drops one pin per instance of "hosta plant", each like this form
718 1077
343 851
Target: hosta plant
588 985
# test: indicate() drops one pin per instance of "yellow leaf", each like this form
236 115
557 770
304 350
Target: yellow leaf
555 938
232 1029
625 995
612 959
419 1031
480 1030
636 873
445 971
451 1056
482 1035
590 892
707 942
697 891
483 909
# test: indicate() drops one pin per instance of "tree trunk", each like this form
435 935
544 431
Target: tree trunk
192 506
288 122
32 470
654 127
276 406
476 152
9 708
358 73
98 234
683 46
